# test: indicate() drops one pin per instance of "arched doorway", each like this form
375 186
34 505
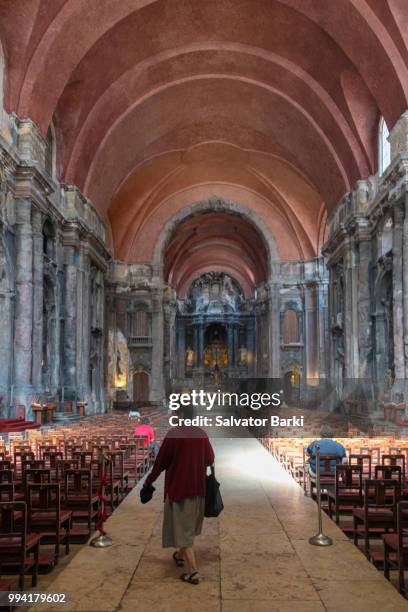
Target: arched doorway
140 387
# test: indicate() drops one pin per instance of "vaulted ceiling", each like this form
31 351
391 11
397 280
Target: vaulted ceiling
158 104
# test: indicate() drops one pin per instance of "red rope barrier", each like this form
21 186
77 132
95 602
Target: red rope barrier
102 514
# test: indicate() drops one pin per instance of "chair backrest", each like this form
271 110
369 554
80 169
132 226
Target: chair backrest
391 472
363 460
77 481
6 491
6 475
51 458
381 493
13 520
43 496
349 477
39 476
47 448
84 458
62 465
402 523
328 464
395 459
5 464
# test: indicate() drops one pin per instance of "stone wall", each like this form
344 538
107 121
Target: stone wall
53 262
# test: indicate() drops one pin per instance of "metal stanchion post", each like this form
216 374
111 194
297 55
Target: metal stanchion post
102 540
320 539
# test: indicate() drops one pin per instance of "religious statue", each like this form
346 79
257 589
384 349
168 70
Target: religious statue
189 357
216 375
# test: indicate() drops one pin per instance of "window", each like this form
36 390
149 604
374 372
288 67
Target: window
384 148
290 327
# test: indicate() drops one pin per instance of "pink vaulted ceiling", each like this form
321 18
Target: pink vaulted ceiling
219 242
161 103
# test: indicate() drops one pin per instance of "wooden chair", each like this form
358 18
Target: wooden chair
364 460
46 517
395 459
328 464
348 490
396 547
379 512
18 548
79 496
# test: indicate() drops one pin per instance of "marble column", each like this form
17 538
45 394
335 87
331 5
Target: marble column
350 314
397 289
311 331
364 309
70 323
230 345
24 305
274 331
236 332
38 299
405 284
156 379
323 329
181 352
84 386
6 326
200 348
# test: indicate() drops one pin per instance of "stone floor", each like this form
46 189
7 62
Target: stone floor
254 558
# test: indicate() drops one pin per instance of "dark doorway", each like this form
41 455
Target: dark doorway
140 387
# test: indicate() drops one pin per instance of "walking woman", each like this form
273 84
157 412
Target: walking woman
184 454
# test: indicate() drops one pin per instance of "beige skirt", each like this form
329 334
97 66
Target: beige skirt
182 521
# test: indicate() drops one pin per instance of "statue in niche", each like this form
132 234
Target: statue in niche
189 357
243 356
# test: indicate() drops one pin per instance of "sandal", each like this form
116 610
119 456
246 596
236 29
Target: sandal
178 560
190 578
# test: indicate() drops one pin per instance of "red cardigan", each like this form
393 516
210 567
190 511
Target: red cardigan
185 454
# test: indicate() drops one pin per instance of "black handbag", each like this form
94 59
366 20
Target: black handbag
213 500
146 493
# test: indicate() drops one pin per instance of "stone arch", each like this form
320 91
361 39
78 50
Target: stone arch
211 205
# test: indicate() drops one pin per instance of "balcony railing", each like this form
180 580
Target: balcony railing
139 341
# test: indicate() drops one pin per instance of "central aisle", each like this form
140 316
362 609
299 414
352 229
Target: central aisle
254 558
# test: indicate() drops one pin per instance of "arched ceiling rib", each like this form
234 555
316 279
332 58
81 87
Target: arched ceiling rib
145 94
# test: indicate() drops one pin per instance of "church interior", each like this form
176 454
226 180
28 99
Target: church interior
194 195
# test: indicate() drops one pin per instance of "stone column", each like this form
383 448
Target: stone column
156 380
236 331
364 309
181 352
398 297
84 390
405 284
311 333
70 324
38 299
200 348
350 314
230 346
274 330
24 305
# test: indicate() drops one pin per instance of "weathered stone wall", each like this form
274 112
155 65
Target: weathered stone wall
367 258
53 261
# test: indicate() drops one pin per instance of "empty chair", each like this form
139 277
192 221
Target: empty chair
348 490
19 550
46 517
396 547
378 514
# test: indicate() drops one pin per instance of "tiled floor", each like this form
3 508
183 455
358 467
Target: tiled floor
255 558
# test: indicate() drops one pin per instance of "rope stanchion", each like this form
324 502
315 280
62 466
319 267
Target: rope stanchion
320 539
102 540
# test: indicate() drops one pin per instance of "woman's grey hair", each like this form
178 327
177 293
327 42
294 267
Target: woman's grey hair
326 431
